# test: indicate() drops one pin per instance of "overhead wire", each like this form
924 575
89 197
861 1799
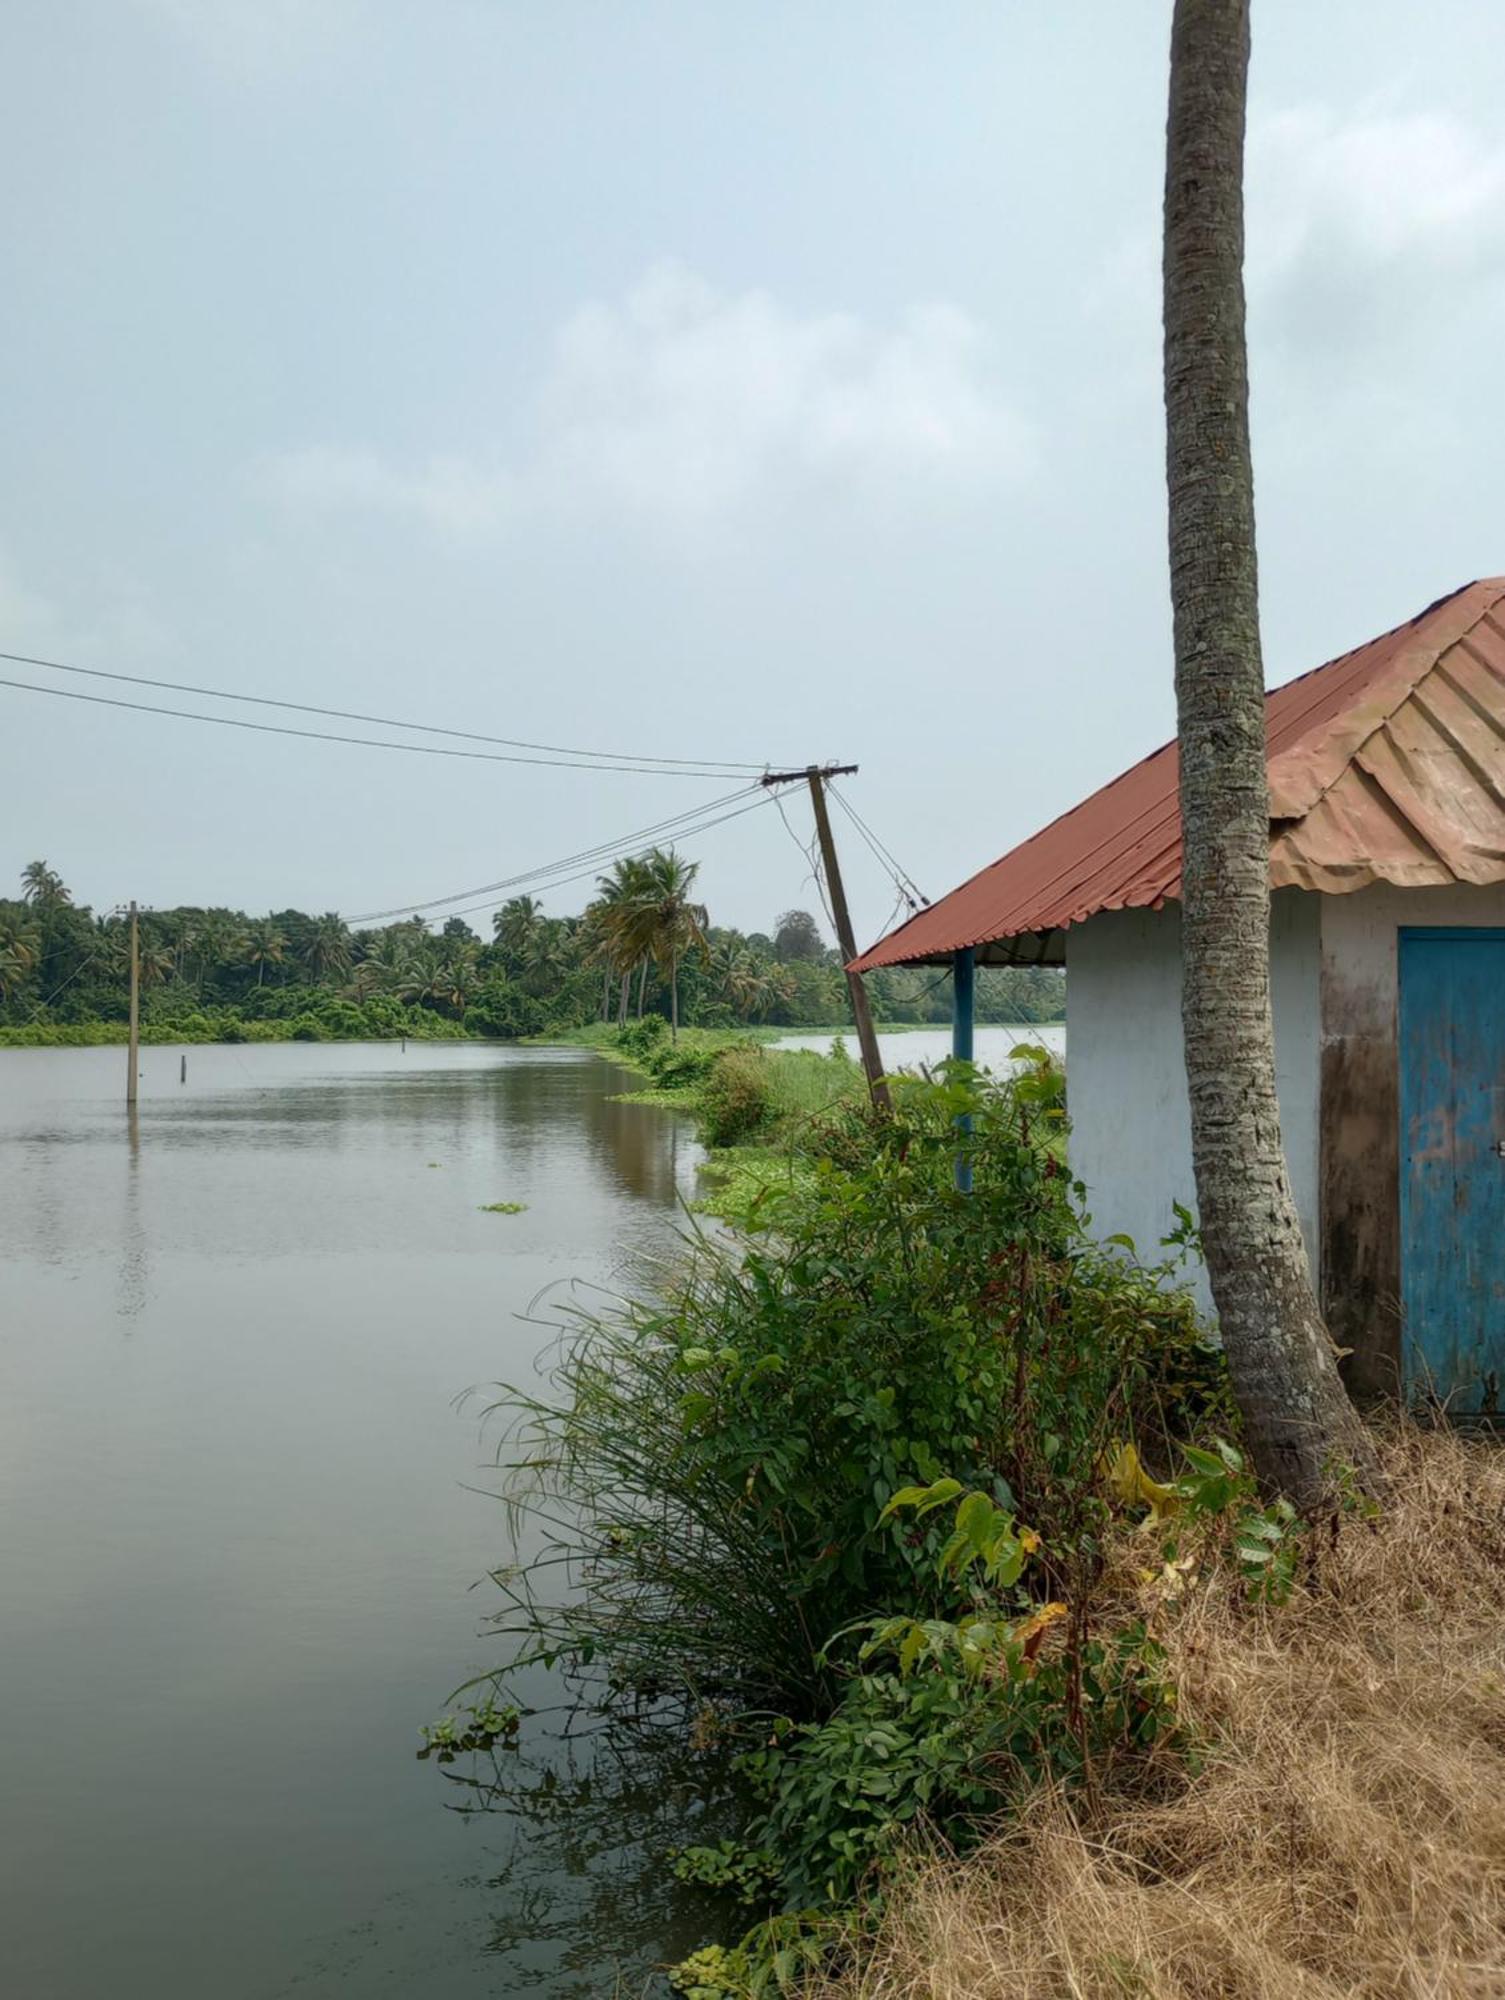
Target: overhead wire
585 874
368 742
815 874
909 890
599 855
606 758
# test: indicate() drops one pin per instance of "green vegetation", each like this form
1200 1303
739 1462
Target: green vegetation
840 1504
504 1208
642 949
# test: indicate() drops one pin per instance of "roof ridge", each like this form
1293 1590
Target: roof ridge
1120 846
1290 799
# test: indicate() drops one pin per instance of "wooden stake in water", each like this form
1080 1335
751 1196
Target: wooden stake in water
134 1044
183 1070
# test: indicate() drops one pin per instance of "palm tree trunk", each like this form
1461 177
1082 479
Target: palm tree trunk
674 996
623 997
642 986
606 996
1298 1421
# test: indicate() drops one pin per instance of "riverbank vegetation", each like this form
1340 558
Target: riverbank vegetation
925 1521
641 948
839 1502
1341 1829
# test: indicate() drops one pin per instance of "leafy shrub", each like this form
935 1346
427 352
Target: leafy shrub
639 1039
725 1453
504 1010
736 1098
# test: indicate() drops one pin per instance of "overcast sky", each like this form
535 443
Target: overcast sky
722 381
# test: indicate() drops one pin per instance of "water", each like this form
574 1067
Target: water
236 1541
992 1046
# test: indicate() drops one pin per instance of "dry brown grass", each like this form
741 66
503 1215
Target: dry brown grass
1346 1835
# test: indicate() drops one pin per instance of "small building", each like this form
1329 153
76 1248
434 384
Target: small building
1387 863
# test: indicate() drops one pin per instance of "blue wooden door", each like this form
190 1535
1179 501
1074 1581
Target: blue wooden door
1452 1111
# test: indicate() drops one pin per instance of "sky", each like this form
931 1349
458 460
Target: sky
732 383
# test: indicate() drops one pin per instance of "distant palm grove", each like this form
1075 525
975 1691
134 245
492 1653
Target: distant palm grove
642 945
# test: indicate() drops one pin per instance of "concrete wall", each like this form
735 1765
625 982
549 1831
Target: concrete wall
1360 1127
1126 1079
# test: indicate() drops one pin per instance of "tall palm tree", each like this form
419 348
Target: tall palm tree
455 975
547 961
219 941
514 926
326 949
618 892
264 945
1298 1420
664 922
43 887
156 960
20 954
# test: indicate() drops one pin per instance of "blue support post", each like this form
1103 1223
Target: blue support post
963 980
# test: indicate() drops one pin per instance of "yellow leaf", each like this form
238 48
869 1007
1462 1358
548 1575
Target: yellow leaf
1133 1485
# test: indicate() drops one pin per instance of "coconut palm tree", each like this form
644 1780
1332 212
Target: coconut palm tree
326 949
264 945
156 961
43 887
1299 1423
664 923
514 927
454 980
20 954
618 892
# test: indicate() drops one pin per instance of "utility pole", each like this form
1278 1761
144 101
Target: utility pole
135 1034
816 776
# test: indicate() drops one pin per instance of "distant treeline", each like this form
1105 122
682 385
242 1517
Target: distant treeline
642 946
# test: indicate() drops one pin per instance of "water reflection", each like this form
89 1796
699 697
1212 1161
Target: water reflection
133 1258
259 1512
591 1818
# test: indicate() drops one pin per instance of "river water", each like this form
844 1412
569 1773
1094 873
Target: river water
238 1540
917 1047
240 1536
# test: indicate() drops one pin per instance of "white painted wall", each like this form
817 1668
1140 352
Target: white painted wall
1359 941
1126 1078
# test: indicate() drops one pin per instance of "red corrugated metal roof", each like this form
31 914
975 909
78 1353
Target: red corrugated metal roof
1387 764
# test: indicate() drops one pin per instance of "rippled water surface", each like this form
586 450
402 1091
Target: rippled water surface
236 1540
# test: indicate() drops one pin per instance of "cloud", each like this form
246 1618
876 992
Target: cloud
1379 190
684 405
450 495
1359 222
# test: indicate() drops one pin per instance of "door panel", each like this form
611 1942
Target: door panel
1452 1111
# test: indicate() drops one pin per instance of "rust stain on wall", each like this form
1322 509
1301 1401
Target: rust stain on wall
1360 1187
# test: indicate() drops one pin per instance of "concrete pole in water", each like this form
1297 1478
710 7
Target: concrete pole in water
134 1043
963 1014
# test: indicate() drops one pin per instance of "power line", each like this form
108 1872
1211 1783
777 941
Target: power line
909 890
585 873
365 742
603 852
706 766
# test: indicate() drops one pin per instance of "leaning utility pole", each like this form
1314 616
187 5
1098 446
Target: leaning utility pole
817 776
135 1034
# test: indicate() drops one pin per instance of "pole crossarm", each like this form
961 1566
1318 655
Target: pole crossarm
810 771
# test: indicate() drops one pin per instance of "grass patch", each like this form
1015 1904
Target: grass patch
1345 1832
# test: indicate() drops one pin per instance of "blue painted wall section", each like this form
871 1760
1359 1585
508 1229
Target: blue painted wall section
1452 1133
